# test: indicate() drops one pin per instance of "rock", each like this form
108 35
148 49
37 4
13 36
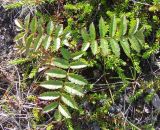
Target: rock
156 101
94 126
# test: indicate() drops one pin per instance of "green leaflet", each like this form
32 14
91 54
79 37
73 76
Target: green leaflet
33 72
52 84
47 42
50 28
40 30
73 89
49 96
61 63
59 30
18 23
19 36
134 27
64 111
123 26
140 37
85 46
65 42
69 101
94 47
29 40
134 44
40 27
26 22
57 44
102 28
78 65
33 25
155 7
92 32
65 53
125 45
77 55
85 35
50 107
57 115
38 42
115 47
113 26
41 21
67 35
19 61
57 73
77 79
104 47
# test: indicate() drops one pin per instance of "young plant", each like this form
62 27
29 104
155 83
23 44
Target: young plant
114 38
46 42
131 40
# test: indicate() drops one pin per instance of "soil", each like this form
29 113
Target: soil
7 33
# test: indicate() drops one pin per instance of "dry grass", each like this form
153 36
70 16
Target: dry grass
15 108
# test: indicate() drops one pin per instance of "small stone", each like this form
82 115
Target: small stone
156 101
146 110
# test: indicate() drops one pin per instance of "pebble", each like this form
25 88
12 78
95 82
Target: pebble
156 102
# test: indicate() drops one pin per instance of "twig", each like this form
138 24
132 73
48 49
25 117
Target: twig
142 3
